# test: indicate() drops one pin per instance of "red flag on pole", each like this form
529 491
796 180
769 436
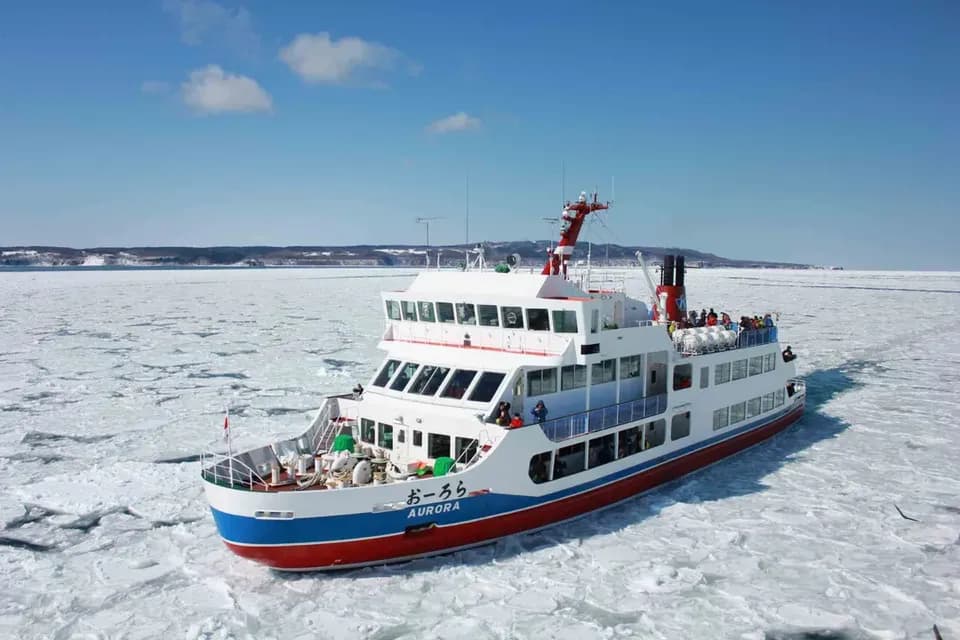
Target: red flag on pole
226 425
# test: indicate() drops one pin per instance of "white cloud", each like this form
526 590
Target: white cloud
206 21
318 59
154 87
457 122
211 90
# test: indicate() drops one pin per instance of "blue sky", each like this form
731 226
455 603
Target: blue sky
812 132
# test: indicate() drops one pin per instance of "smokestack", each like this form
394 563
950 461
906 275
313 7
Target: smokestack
667 273
679 277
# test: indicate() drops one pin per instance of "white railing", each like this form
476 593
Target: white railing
577 424
228 471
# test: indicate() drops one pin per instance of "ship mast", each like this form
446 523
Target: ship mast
574 213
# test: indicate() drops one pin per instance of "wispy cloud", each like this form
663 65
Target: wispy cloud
154 87
457 122
211 90
206 22
318 59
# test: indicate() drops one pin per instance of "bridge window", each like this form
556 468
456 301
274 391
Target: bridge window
738 412
436 379
406 373
769 362
767 403
564 321
464 449
458 384
445 312
385 433
721 418
438 445
466 313
538 320
573 376
631 367
426 312
569 460
422 379
540 382
417 438
409 310
605 371
393 310
601 451
680 426
486 386
682 376
721 373
628 442
739 369
512 317
540 467
488 315
753 407
386 373
368 432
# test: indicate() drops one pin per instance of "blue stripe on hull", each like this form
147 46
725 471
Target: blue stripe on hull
341 528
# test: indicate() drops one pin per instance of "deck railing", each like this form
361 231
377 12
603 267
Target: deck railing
756 337
577 424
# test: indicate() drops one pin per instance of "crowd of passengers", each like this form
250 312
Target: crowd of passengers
503 418
711 319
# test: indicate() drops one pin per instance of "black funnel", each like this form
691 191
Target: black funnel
680 271
666 276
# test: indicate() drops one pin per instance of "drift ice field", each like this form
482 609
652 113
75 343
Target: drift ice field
112 382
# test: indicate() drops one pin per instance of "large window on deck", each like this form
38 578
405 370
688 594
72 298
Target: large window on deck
426 312
738 412
600 451
628 441
431 384
385 433
630 367
488 315
512 317
756 365
753 407
464 449
721 418
538 320
486 386
445 312
569 460
458 384
682 376
769 362
565 321
422 379
368 430
739 369
386 373
393 309
680 426
721 373
540 467
406 373
409 310
540 382
605 371
466 313
573 376
438 445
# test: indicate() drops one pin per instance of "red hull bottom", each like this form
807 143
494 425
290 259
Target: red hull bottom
395 548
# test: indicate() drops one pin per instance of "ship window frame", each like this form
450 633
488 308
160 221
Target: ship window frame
576 374
538 322
547 464
766 402
753 407
453 378
423 377
678 432
654 434
626 364
367 423
461 445
740 365
409 308
780 397
627 446
487 397
393 310
433 446
417 438
681 380
517 313
565 321
399 376
430 388
607 370
738 408
379 380
705 377
466 313
426 305
484 317
560 460
756 365
769 362
721 373
721 418
383 431
445 314
598 448
401 436
538 388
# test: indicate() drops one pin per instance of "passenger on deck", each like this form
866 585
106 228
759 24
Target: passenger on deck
767 320
725 319
788 354
357 391
693 318
712 318
503 414
540 411
702 322
517 421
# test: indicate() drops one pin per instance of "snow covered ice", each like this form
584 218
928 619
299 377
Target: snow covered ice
111 382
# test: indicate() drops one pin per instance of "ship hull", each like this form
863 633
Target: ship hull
305 546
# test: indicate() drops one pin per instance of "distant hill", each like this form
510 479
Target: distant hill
532 253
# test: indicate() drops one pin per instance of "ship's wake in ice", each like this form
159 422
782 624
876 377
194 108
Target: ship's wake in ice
845 526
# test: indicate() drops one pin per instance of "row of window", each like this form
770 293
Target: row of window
485 315
431 379
741 411
574 458
438 444
541 382
739 369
